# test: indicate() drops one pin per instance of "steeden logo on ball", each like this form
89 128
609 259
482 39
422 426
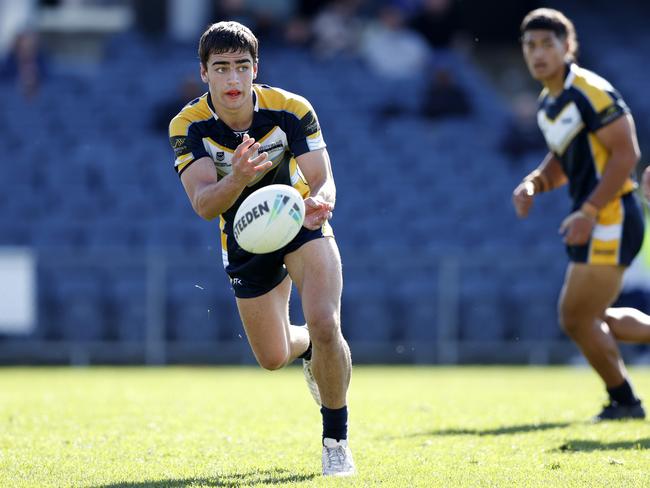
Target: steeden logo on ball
269 218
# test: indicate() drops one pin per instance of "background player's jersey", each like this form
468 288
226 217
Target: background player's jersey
284 124
569 123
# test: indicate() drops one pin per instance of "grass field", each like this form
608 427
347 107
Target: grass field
409 426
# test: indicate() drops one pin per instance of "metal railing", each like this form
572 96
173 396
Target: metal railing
445 293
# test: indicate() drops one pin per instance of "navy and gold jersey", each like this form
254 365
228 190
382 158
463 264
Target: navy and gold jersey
569 123
284 124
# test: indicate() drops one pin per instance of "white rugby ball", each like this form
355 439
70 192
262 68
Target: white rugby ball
269 218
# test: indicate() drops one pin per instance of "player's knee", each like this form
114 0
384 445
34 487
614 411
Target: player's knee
273 361
571 320
324 328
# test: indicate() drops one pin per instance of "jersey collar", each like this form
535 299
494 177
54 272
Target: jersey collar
571 70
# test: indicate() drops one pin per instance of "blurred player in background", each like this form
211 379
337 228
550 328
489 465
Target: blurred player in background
229 142
646 183
593 148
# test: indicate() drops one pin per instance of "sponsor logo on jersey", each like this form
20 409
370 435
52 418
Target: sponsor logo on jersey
270 147
179 145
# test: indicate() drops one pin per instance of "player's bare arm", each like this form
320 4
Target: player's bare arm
211 197
548 176
619 138
316 168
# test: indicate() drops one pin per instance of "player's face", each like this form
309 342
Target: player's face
230 78
544 53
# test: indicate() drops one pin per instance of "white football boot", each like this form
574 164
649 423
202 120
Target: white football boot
311 381
337 458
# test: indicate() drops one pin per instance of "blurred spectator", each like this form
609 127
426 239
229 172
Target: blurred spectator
522 136
26 63
336 29
445 97
189 89
15 17
391 49
438 21
259 15
298 30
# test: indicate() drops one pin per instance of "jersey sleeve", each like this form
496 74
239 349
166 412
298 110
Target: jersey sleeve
186 142
601 106
304 132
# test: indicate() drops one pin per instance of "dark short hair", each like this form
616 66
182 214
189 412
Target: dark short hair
227 37
555 21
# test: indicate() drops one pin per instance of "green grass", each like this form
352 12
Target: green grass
409 426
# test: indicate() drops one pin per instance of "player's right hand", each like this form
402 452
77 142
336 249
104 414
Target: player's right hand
246 163
645 183
522 198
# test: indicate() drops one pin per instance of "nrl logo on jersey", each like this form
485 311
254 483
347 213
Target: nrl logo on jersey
220 155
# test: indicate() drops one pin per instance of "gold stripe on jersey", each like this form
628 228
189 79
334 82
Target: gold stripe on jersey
611 214
183 161
190 114
593 87
281 100
298 181
601 155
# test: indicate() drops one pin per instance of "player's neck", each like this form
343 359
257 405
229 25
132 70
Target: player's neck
239 119
555 84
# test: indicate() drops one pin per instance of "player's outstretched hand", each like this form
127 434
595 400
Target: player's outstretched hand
645 183
577 228
522 198
317 212
246 163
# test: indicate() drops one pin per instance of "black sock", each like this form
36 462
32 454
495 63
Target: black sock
623 394
335 423
307 354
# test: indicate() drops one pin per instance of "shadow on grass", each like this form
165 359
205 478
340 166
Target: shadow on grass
590 445
253 478
505 430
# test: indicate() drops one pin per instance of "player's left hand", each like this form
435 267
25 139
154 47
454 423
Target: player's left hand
317 212
577 228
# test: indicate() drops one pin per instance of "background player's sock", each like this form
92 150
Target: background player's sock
623 394
335 423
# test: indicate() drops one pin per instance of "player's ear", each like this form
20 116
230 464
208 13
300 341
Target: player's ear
204 72
254 70
567 47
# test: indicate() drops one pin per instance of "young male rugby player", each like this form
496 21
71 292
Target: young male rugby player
234 139
593 148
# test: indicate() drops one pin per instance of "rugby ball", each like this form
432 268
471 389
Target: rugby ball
268 219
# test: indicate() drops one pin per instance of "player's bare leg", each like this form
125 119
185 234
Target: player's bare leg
628 324
273 340
316 270
587 292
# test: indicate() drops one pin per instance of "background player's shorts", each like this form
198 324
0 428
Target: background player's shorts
617 236
253 275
